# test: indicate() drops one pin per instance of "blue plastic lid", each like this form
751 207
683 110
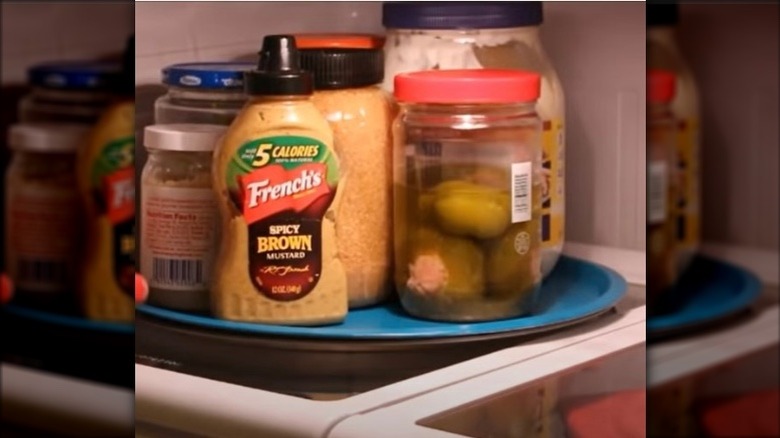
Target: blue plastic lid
207 75
461 15
75 75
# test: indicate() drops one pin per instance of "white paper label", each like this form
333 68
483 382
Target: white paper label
657 191
521 192
179 232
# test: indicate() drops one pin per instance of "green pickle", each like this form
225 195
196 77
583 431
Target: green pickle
462 208
458 256
445 265
512 262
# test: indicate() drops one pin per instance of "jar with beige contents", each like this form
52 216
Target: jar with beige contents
347 72
179 232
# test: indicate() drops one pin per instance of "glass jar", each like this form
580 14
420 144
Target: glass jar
663 52
179 217
493 35
43 214
662 187
70 92
360 114
208 93
467 185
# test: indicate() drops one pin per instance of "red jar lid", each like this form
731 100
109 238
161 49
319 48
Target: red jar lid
467 86
660 86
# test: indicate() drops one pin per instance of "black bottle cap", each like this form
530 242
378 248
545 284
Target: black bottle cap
278 72
339 68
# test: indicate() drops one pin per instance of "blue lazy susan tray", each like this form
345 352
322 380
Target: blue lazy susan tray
576 290
373 347
69 345
710 292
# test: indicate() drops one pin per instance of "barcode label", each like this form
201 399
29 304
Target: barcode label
657 188
37 272
177 272
521 192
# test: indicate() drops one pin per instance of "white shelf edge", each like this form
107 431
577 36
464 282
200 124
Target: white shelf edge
401 419
677 359
79 406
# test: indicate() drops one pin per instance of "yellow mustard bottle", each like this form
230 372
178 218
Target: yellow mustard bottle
106 181
276 177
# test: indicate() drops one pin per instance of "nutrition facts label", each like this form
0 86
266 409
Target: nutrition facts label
178 234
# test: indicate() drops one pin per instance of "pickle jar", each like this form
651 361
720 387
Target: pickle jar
662 187
467 192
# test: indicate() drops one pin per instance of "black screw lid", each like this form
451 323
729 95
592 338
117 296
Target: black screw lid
278 72
662 13
338 68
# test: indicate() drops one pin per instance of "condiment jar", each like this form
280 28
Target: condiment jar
69 91
360 113
664 52
467 194
43 214
179 218
493 35
209 93
277 178
662 187
105 173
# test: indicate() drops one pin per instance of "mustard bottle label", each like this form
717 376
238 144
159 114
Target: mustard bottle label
283 185
552 183
688 187
113 187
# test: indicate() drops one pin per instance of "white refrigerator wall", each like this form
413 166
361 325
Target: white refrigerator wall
61 31
733 51
598 50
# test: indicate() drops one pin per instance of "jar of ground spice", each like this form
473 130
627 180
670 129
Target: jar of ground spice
347 72
467 194
179 217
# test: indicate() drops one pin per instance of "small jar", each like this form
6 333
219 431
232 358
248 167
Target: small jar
43 213
70 92
208 93
492 35
467 192
179 217
347 93
662 187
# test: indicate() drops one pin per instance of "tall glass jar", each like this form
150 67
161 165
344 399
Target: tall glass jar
664 52
43 214
70 92
208 93
493 35
360 113
179 217
662 187
467 184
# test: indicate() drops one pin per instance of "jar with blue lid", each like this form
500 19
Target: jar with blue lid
69 91
207 93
